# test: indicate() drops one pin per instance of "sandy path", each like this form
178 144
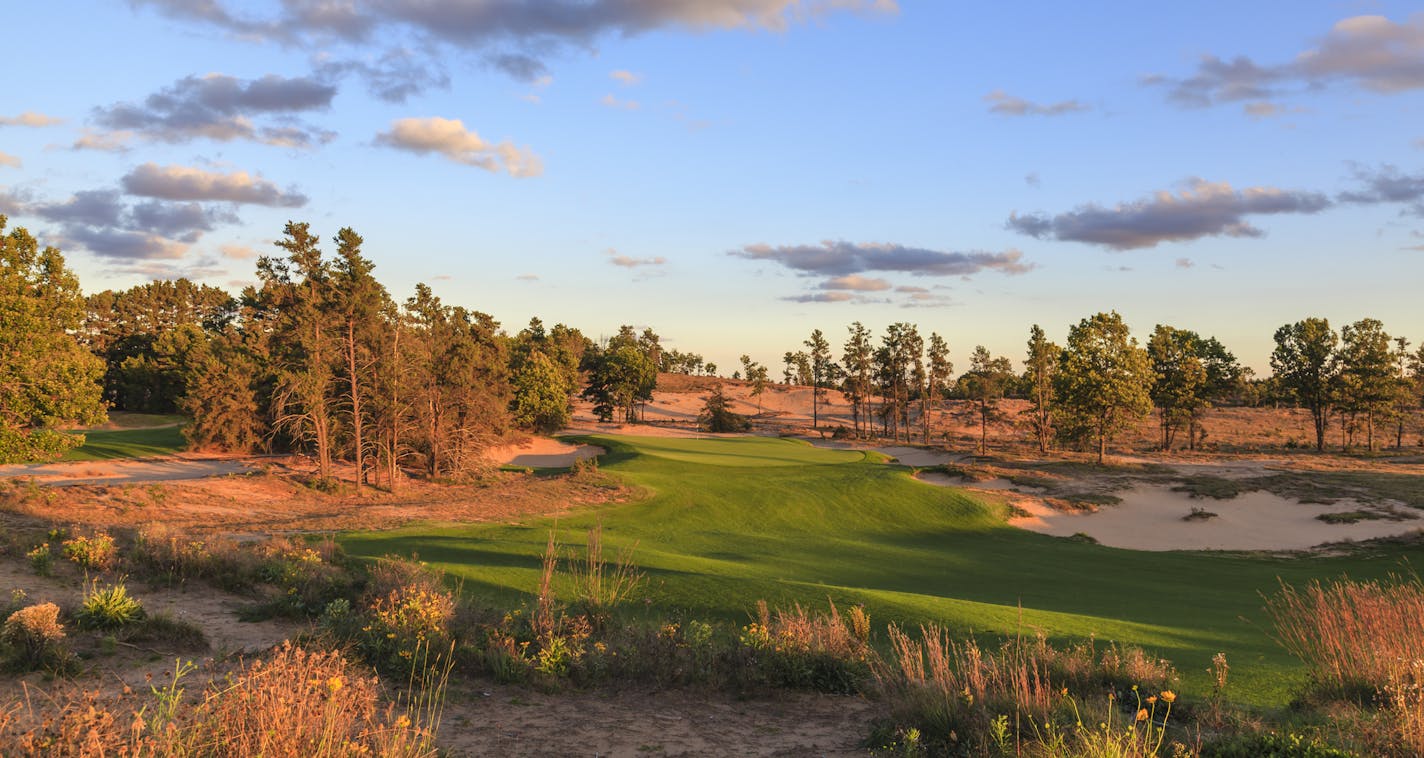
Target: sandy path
124 471
516 721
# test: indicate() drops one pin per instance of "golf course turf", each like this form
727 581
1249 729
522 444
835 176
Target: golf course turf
729 521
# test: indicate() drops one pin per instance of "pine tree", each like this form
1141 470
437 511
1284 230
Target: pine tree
1102 380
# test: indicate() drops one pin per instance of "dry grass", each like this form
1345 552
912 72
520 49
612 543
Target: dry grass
1355 636
298 704
1025 695
1364 643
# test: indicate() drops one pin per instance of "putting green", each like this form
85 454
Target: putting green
734 520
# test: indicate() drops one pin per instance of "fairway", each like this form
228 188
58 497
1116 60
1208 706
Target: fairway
733 520
110 444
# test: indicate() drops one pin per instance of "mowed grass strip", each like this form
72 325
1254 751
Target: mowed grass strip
734 520
110 444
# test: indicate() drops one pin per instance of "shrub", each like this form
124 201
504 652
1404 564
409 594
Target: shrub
41 559
824 651
35 635
404 622
95 551
108 608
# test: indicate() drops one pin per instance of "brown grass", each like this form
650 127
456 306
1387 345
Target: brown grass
298 704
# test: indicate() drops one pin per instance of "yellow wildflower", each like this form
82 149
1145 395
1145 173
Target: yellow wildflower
1169 696
1142 714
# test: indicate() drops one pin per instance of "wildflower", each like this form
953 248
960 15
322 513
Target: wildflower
403 722
334 683
1169 696
1142 714
1151 699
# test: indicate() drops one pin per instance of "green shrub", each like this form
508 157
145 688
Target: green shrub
1272 745
109 607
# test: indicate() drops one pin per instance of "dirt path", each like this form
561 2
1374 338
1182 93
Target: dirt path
138 471
515 721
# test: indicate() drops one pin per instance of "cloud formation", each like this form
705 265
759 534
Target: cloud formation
1004 104
823 297
624 261
187 183
30 119
609 101
1369 52
393 76
514 36
450 139
855 283
7 159
222 108
1201 209
102 222
838 258
626 78
1387 184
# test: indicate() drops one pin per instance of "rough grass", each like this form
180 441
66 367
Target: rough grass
733 519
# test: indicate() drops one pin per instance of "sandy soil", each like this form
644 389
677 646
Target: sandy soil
541 452
126 471
514 721
1151 517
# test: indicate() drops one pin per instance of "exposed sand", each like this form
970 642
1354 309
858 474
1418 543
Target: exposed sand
542 452
1150 517
124 471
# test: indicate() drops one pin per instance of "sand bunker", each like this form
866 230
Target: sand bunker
542 452
1151 517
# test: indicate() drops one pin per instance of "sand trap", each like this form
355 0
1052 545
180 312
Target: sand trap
1150 518
945 480
542 452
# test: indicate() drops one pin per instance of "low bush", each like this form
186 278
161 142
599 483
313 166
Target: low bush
94 552
108 608
35 637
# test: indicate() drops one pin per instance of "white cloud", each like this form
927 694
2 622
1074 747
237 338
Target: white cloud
626 78
31 119
450 139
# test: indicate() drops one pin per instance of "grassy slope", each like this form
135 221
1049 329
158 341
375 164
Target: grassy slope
734 520
141 435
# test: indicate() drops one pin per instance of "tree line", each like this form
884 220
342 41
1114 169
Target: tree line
1102 381
318 357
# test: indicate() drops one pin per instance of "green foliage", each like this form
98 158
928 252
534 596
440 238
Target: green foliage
717 414
1040 366
1272 745
541 394
1102 381
1304 368
985 383
46 377
620 378
1366 382
108 608
1179 378
221 397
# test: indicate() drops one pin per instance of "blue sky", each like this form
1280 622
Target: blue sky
735 173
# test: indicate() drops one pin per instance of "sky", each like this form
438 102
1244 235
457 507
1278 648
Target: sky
736 173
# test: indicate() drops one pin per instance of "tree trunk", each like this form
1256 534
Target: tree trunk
356 421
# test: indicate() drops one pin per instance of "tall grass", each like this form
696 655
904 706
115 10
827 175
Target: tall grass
1355 636
299 703
1364 643
1026 695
